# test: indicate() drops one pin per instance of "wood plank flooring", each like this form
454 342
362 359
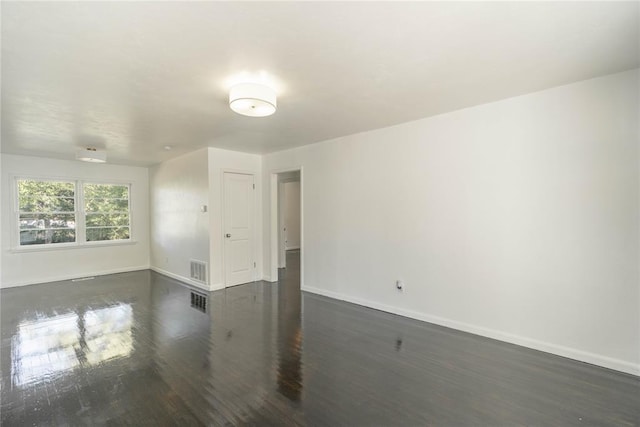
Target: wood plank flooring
130 349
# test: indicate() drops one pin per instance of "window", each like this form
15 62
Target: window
72 212
46 212
106 208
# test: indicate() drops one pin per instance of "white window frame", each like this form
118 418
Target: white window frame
16 199
80 215
83 213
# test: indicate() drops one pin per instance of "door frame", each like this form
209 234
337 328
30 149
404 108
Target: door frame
282 250
282 236
274 213
254 248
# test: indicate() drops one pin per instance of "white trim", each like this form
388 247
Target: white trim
216 286
274 232
282 232
571 353
282 254
187 281
74 276
302 251
179 278
70 178
273 223
64 246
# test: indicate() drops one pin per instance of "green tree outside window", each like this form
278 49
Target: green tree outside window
46 212
106 209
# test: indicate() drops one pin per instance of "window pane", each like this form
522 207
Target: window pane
42 221
40 203
107 233
47 236
106 205
107 212
46 212
111 220
106 191
46 188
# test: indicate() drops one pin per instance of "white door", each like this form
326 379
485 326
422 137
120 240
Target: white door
238 228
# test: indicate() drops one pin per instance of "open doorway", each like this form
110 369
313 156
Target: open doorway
287 226
288 216
287 261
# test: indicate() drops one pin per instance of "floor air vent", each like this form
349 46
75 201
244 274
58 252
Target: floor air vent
199 301
199 271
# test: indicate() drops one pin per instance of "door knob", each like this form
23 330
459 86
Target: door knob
227 235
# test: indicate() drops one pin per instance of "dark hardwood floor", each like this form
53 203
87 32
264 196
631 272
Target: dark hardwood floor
131 349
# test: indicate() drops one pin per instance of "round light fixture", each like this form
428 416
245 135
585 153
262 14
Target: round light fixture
91 154
252 99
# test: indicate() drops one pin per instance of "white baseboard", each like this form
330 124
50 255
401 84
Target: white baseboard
186 280
73 276
181 278
571 353
216 286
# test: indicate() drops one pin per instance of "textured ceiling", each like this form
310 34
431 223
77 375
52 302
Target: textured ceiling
134 77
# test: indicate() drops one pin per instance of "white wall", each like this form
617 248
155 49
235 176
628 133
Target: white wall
516 220
179 229
27 267
291 207
231 161
2 192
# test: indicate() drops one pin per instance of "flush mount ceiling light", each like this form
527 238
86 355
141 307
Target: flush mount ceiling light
92 155
252 99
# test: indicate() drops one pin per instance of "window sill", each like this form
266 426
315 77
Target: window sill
63 246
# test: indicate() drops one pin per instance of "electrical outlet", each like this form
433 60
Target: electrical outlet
400 285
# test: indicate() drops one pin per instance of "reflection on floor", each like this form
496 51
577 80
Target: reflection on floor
134 349
50 345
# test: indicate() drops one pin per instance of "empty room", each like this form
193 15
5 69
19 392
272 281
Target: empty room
320 213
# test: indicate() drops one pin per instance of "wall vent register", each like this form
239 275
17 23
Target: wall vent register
198 271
